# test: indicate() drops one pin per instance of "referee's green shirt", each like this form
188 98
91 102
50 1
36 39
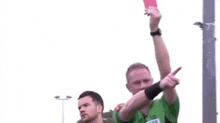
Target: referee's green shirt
159 112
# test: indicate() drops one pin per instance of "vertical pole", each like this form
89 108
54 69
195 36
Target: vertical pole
62 111
209 68
67 98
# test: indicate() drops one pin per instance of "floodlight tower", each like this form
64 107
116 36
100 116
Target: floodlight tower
67 98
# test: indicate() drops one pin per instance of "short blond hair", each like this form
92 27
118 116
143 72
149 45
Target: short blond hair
135 66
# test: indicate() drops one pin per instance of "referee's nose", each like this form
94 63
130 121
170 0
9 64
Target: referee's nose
143 85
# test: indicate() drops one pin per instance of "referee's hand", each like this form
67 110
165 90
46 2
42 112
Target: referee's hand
170 81
155 17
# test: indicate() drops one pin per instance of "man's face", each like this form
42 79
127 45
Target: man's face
139 79
88 108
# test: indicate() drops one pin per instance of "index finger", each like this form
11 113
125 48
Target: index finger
174 72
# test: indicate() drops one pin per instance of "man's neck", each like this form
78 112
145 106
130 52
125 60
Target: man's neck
99 119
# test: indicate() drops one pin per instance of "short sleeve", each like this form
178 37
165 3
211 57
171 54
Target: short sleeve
116 113
116 117
171 111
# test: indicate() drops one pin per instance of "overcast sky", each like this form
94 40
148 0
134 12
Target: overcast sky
50 48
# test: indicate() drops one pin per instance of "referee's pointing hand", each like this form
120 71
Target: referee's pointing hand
170 81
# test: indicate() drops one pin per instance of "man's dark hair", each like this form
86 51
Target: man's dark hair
95 96
135 66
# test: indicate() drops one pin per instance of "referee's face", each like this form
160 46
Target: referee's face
139 79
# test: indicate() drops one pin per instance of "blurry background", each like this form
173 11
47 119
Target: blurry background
50 48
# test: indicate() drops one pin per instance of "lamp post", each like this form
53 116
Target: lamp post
209 68
58 98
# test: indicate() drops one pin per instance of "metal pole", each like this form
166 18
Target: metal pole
209 68
62 111
67 98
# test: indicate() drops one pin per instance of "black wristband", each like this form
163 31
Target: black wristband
158 32
153 91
